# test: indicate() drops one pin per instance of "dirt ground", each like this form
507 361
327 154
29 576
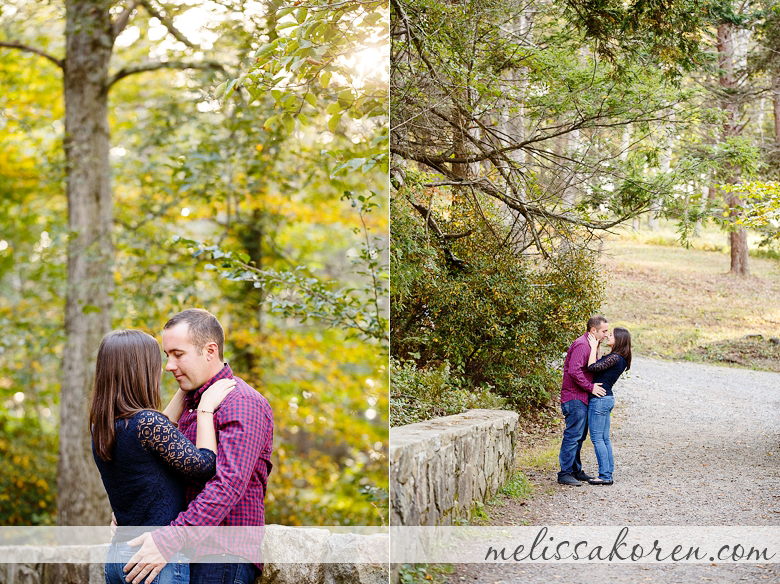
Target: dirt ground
682 303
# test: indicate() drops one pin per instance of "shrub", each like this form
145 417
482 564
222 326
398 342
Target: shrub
28 482
419 395
499 318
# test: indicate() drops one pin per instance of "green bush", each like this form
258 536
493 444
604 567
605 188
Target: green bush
419 395
28 482
499 318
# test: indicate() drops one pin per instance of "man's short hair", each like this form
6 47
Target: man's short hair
595 320
203 328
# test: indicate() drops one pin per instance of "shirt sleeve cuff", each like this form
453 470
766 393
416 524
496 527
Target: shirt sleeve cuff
168 541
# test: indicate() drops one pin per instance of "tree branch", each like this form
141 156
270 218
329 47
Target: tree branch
168 23
59 62
443 237
124 17
153 66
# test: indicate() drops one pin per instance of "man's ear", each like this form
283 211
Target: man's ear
212 351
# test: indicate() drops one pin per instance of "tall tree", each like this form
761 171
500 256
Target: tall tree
196 165
91 29
452 108
732 128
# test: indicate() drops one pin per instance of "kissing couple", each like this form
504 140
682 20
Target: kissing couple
587 399
203 461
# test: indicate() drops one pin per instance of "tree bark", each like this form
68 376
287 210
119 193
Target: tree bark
731 127
665 167
512 124
776 105
89 40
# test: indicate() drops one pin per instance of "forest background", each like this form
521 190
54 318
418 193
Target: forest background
229 155
525 133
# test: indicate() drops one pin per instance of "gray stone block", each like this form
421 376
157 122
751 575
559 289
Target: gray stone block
440 468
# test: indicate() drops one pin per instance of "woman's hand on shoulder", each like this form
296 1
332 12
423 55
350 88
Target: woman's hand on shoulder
592 341
215 394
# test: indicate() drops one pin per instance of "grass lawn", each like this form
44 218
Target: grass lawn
683 304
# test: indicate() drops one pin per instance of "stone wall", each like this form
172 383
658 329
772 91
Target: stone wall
297 556
440 468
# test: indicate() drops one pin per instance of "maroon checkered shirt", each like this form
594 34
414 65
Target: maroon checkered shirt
577 381
236 494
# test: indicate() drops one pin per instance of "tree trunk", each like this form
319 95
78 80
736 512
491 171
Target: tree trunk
512 125
776 106
81 497
665 167
731 127
739 252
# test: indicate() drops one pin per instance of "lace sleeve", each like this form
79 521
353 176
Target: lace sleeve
159 436
605 363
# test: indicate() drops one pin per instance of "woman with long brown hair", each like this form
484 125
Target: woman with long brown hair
144 461
606 371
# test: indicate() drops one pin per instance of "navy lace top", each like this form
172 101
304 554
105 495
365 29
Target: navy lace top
149 469
607 370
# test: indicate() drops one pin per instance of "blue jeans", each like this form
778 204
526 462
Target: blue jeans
236 573
119 554
576 414
598 419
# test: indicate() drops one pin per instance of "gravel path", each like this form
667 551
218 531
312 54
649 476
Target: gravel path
693 445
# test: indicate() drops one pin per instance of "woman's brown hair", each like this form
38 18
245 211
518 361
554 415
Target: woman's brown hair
622 344
127 380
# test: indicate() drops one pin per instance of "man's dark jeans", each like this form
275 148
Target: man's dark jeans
576 414
236 573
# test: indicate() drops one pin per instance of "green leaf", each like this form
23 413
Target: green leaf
346 98
289 100
333 122
333 108
355 163
372 18
311 99
266 49
269 123
230 88
89 308
325 79
289 123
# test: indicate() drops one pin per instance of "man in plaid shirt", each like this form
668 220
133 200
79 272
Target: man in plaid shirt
193 342
576 390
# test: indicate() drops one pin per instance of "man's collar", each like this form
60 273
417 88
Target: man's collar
192 398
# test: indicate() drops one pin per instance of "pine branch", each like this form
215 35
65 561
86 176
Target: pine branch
59 62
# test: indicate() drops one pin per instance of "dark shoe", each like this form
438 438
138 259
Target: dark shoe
599 482
569 480
582 476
